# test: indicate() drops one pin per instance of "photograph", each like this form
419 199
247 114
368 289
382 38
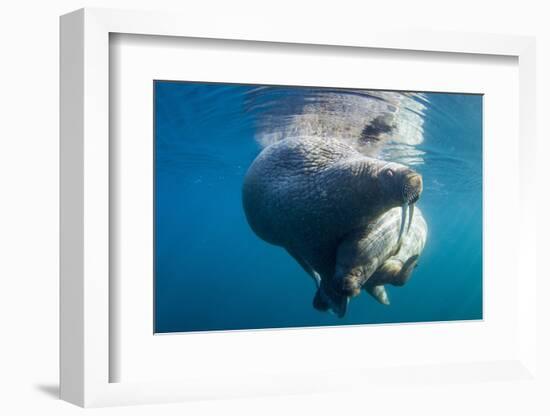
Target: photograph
286 206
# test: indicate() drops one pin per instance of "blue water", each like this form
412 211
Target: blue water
213 273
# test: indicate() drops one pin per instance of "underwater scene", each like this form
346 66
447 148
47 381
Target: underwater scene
290 206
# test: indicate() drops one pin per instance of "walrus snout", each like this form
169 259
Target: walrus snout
412 187
349 283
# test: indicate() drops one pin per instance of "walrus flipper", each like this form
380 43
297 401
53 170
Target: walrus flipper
395 272
324 299
319 302
406 270
328 300
378 292
307 268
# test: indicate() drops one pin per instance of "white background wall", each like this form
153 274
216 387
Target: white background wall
29 189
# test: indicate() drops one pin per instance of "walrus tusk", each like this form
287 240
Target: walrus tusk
404 210
411 212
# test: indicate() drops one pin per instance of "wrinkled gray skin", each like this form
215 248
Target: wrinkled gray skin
376 255
306 194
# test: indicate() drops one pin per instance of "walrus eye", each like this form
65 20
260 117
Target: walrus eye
389 173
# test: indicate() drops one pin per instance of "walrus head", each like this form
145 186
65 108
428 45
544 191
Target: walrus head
400 186
396 186
399 183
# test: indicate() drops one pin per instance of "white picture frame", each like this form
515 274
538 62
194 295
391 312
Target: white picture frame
86 303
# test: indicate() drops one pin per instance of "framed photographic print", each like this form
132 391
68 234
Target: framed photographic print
283 213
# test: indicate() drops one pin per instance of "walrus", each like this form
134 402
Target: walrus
380 253
307 194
